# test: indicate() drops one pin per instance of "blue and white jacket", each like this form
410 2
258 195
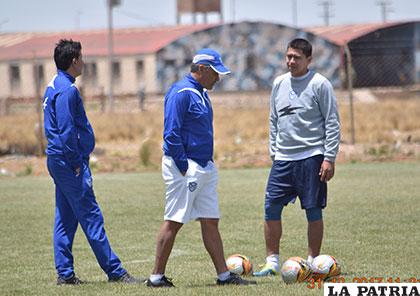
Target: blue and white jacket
188 124
67 128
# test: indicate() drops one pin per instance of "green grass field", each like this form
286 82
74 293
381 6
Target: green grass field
372 227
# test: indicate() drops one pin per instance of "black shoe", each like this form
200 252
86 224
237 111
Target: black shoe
126 279
164 282
235 279
73 280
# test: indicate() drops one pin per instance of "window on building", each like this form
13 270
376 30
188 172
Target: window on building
170 63
14 75
39 75
116 71
251 62
140 70
90 73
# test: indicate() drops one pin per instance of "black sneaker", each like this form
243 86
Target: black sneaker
126 279
235 279
164 282
73 280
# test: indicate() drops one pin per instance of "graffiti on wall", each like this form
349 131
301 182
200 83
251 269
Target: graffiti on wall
254 51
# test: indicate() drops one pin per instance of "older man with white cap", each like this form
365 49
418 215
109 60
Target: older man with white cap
188 170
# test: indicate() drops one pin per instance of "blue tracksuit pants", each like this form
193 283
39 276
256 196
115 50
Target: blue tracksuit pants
76 203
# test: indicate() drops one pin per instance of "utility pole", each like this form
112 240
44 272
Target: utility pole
294 12
384 5
326 11
232 10
3 21
350 90
110 5
38 99
77 19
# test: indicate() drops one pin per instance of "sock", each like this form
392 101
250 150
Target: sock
223 276
273 260
154 278
310 259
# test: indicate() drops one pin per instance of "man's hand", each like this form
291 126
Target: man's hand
327 171
77 171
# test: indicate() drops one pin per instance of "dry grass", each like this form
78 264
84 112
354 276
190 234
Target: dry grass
131 141
18 134
386 121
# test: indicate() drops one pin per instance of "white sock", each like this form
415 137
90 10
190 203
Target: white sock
223 276
310 259
273 260
154 278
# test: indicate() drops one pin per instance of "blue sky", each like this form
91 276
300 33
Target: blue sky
65 15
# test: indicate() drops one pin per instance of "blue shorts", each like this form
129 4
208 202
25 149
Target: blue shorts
290 179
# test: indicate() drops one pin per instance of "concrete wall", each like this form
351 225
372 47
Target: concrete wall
4 78
150 74
128 84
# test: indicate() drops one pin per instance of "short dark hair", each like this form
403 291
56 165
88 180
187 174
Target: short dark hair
302 44
194 68
64 53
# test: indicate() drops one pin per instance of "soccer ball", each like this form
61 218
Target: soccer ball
239 264
325 266
295 269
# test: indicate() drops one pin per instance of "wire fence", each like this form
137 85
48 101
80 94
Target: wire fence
388 69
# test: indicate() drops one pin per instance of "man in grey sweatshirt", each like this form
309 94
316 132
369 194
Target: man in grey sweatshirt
304 140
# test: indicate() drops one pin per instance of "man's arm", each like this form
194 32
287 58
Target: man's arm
66 106
328 106
273 118
175 109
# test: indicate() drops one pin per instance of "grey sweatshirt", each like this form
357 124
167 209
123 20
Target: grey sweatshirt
304 119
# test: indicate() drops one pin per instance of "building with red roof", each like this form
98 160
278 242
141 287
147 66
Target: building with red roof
151 59
382 54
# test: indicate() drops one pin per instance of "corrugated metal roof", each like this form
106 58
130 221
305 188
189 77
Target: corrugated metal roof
343 34
16 46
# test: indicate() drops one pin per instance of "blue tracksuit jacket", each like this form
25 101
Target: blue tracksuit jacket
188 124
67 128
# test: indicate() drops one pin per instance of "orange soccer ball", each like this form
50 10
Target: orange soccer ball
325 266
239 264
295 270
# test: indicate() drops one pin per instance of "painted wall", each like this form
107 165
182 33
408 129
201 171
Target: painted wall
254 51
129 82
4 78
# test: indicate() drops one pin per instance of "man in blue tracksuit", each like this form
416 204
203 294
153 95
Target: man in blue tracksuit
70 141
188 170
